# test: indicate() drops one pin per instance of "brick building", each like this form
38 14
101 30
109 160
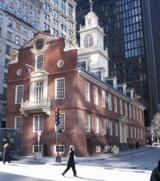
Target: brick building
93 114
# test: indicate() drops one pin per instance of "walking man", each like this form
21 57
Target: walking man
71 161
6 153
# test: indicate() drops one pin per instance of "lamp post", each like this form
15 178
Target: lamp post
38 140
57 121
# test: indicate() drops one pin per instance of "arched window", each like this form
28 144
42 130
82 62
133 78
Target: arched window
88 40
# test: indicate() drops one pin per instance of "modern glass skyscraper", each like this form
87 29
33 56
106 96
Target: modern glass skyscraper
132 35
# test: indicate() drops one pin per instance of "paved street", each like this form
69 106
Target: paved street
135 166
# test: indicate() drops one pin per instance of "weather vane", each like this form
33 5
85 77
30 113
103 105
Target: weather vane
91 5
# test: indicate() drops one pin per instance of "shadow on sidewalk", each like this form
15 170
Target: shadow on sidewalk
85 178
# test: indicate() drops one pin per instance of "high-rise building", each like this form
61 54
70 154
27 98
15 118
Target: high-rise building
132 35
19 20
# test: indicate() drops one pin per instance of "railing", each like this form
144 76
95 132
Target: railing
35 103
35 106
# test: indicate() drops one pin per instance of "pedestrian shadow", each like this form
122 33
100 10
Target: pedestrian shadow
85 178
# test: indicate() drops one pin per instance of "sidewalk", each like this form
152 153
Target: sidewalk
51 160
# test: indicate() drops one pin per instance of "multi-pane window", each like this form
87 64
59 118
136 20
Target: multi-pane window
130 111
19 123
96 125
134 114
38 123
126 108
6 63
38 92
60 148
116 129
87 91
88 40
111 128
37 148
70 10
98 149
95 92
109 102
47 7
5 76
5 92
63 5
127 131
19 93
61 126
121 106
39 62
10 23
103 99
140 115
60 88
8 48
115 104
131 132
9 35
87 123
135 132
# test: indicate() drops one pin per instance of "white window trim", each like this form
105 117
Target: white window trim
16 93
89 127
97 125
34 131
37 59
103 95
95 89
15 123
115 104
121 106
59 151
87 98
56 88
34 146
98 148
109 102
116 129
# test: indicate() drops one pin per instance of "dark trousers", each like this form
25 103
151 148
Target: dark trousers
6 158
73 169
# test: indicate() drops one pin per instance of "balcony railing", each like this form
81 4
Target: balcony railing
31 107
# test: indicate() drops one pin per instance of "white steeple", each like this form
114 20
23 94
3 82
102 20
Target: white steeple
92 45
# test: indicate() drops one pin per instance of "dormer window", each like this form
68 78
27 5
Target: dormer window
40 62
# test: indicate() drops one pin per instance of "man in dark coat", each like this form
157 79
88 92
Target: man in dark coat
71 161
155 176
6 153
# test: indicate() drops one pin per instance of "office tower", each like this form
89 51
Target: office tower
132 35
19 20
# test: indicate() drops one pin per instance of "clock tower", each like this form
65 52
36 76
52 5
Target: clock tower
91 52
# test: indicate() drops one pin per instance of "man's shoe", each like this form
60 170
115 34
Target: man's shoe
63 174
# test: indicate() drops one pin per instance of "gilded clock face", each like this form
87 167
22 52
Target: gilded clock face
39 43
